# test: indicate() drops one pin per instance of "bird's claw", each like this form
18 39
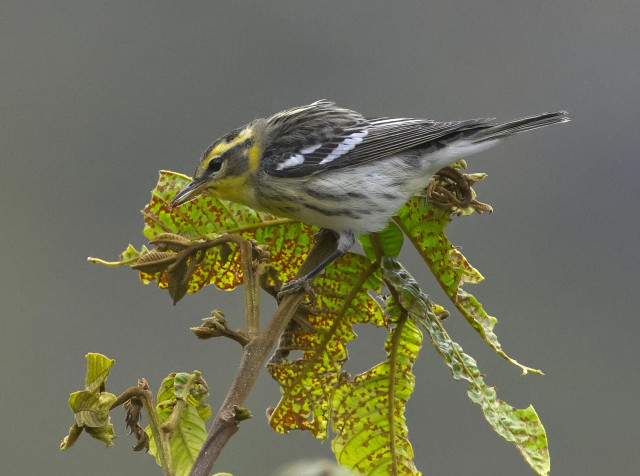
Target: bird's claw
295 286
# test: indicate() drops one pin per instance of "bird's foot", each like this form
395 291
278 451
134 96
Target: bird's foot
295 286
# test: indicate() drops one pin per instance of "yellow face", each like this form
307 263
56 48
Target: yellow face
224 171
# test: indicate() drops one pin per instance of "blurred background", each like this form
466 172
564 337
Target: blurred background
96 97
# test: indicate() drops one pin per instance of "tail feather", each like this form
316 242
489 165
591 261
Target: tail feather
506 129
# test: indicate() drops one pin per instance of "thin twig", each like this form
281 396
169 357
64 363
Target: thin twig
209 330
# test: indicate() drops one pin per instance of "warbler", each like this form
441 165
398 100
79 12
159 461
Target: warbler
331 167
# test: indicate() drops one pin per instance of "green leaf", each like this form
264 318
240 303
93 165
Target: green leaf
98 367
368 412
91 406
342 300
103 433
424 225
91 413
185 442
522 427
69 440
184 393
390 240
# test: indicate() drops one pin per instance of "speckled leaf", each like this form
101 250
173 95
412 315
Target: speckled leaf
424 225
342 300
204 218
367 413
131 255
191 432
522 427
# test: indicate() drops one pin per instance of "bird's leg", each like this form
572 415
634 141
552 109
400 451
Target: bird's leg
346 240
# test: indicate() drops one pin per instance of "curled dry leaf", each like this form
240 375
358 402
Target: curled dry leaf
171 241
155 261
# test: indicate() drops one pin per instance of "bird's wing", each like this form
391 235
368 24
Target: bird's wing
323 136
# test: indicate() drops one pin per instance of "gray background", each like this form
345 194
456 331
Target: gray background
98 96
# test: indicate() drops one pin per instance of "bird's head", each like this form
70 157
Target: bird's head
226 166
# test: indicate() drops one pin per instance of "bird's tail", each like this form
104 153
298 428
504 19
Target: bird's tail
506 129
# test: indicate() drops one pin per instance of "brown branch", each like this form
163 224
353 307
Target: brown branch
254 356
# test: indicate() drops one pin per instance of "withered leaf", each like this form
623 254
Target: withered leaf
155 261
178 280
171 241
225 252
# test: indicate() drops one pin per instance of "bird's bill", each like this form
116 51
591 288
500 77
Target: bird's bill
191 191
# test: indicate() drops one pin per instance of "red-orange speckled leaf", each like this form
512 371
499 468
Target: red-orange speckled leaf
204 218
424 225
367 412
342 300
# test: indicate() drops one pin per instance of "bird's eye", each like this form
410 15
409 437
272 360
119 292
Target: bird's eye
214 166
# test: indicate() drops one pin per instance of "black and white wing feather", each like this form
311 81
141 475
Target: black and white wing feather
323 136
